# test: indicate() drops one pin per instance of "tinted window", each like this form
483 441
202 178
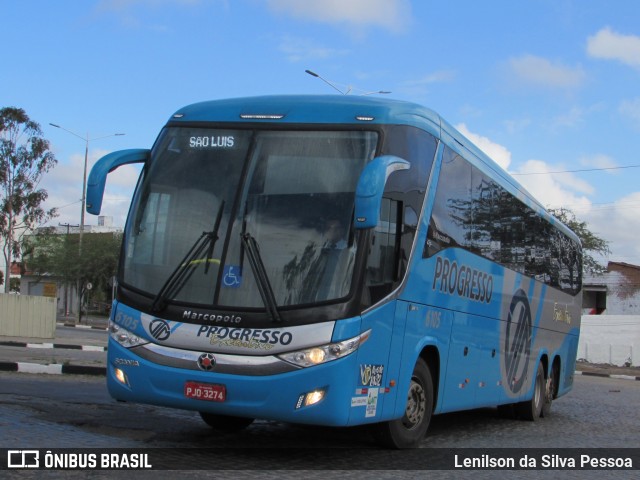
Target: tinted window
472 211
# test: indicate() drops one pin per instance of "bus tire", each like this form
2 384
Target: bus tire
532 409
408 431
226 423
550 391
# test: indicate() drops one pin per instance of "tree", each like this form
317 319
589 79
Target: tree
591 243
49 254
24 159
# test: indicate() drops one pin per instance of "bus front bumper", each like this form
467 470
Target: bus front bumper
279 396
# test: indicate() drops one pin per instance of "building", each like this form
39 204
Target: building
616 292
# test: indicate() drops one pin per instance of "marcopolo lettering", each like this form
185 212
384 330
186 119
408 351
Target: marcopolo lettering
211 317
271 337
461 280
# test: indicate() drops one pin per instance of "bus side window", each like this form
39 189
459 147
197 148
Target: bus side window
382 263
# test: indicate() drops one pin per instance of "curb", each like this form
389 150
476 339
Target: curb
608 375
86 327
55 368
86 348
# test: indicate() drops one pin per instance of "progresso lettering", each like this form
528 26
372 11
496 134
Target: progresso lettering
252 336
463 281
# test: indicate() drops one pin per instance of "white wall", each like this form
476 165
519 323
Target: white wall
27 316
613 339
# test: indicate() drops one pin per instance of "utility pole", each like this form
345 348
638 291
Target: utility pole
66 284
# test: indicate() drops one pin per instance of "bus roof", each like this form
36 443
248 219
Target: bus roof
342 109
356 110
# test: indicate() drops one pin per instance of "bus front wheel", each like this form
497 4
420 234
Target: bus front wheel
226 423
408 431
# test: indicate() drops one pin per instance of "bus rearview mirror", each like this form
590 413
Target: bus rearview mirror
108 163
371 187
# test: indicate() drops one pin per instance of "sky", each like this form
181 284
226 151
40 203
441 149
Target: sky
550 89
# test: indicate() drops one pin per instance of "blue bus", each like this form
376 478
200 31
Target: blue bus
338 261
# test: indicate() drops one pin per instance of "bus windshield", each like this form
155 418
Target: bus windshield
290 192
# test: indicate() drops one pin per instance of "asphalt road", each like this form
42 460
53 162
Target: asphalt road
75 411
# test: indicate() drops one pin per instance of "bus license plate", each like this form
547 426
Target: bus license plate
205 391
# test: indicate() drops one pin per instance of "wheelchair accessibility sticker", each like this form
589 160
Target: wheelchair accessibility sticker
231 276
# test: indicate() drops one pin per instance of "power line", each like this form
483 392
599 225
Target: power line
577 170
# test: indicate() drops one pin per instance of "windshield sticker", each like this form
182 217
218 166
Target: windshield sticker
231 276
215 141
372 403
371 375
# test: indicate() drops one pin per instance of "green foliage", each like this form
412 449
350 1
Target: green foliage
49 254
591 243
24 159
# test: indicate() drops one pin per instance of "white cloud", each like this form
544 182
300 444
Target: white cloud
517 125
393 15
419 87
599 161
439 76
617 223
576 116
301 49
64 186
538 71
631 110
572 118
554 190
499 154
128 11
609 45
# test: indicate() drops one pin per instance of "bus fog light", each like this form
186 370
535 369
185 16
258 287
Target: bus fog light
121 376
310 398
313 397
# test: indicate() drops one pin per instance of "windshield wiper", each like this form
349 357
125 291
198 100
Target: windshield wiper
260 274
188 265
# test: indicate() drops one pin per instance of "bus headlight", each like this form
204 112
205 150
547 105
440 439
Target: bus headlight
124 337
325 353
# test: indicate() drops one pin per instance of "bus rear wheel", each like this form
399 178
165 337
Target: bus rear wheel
532 409
226 423
408 431
551 387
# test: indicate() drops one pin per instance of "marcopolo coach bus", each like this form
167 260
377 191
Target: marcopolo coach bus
336 260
